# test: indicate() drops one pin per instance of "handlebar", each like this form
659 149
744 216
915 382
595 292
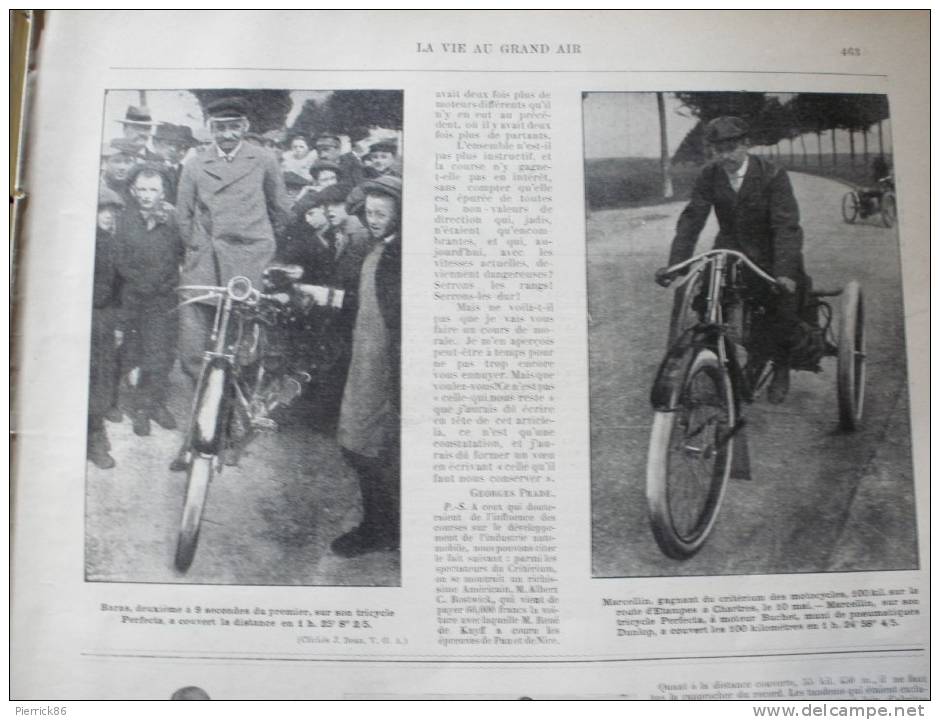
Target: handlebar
707 257
240 290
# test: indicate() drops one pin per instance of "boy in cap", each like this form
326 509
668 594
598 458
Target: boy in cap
757 215
381 159
369 425
295 184
324 174
149 253
102 381
351 170
118 158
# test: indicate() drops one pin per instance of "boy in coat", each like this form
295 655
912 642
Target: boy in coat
369 425
149 253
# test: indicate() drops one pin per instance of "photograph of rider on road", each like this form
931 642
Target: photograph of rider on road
753 418
759 216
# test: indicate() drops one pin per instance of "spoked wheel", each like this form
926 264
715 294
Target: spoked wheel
851 363
197 487
889 209
850 206
689 458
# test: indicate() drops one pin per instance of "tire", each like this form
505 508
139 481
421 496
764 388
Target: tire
684 490
889 209
850 206
197 487
852 360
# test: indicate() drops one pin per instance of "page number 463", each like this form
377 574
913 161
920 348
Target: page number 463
853 51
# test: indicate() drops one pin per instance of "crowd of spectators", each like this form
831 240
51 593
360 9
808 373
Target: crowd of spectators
173 211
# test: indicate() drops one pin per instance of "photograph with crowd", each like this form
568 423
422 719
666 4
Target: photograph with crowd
264 194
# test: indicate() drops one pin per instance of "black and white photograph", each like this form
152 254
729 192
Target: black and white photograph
244 385
748 377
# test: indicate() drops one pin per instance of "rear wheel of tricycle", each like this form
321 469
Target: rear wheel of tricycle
850 206
851 363
689 459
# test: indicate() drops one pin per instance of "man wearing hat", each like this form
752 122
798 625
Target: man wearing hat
137 126
369 425
757 215
102 381
172 142
230 199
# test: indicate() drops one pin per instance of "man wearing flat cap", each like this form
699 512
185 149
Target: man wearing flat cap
230 199
758 216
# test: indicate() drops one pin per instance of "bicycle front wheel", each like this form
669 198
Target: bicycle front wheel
689 459
197 487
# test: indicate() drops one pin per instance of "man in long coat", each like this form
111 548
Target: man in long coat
230 199
758 216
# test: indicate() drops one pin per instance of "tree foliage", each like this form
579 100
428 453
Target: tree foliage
351 112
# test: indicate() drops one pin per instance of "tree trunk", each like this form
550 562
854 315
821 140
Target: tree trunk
803 146
819 147
865 145
852 146
881 139
664 148
834 160
791 151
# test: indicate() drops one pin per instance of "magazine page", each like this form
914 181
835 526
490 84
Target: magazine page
473 355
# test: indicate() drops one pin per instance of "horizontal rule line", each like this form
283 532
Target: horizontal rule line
543 661
468 70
